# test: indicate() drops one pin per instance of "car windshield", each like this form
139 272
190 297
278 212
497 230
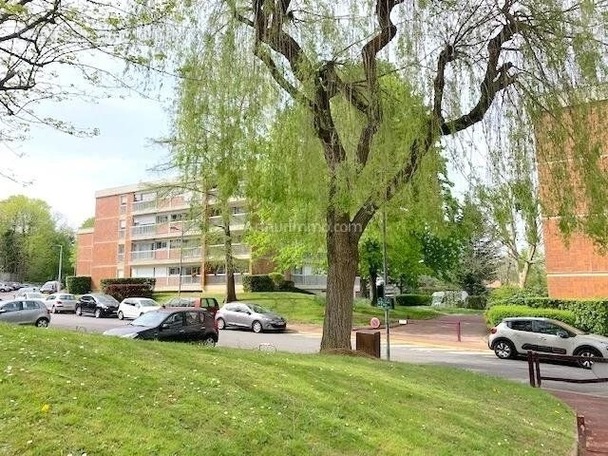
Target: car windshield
148 303
259 309
106 299
150 319
569 328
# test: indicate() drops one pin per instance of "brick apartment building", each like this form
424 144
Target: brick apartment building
575 269
138 234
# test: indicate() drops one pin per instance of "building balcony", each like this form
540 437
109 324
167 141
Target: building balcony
188 283
309 281
186 254
238 251
143 231
144 206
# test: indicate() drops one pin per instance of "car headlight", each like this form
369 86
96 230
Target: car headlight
130 335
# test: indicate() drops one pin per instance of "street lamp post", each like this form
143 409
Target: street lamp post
385 278
60 263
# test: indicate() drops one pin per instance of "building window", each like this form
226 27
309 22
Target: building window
162 218
122 224
238 210
123 200
160 245
177 217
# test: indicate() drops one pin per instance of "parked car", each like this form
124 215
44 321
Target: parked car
52 286
516 335
28 289
171 324
25 312
32 295
247 315
5 287
61 302
97 304
135 307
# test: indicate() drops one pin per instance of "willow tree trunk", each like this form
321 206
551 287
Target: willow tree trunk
230 285
342 259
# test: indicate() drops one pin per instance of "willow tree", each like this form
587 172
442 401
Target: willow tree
463 63
216 114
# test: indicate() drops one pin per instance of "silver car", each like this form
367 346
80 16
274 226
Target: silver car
61 302
250 316
25 312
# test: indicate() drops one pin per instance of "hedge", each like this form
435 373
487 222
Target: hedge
149 281
476 302
123 291
410 300
495 314
79 284
256 283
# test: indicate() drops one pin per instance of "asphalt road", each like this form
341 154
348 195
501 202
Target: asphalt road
483 362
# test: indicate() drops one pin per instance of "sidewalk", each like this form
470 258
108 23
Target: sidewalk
443 333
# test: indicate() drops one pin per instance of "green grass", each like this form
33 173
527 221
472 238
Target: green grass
310 309
70 393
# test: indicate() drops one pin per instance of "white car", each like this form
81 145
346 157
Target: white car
61 302
134 307
517 335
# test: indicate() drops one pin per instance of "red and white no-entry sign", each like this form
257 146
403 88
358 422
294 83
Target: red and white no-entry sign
374 323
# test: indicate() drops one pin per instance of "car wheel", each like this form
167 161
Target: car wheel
121 316
504 349
586 352
209 340
78 311
97 313
256 327
221 324
42 323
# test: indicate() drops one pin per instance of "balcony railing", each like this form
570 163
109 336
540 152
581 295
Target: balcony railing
188 253
238 250
141 206
142 255
143 231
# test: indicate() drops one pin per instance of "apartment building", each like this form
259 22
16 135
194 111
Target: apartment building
138 233
577 268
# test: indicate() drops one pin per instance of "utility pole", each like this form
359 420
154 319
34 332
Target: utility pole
60 264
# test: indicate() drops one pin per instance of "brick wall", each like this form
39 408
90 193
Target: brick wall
84 252
105 242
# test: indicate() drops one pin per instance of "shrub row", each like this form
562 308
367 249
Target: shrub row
590 315
413 300
496 313
123 291
149 281
78 284
269 283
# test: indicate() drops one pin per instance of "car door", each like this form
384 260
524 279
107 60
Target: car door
549 338
230 314
193 326
30 312
172 329
9 311
128 308
85 303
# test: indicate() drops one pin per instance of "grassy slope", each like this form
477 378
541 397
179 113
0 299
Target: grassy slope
68 392
302 308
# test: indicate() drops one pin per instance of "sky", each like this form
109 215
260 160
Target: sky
66 171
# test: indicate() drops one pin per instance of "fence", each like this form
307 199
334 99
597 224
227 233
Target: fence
536 377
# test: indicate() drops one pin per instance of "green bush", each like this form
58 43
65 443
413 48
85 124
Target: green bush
591 316
277 279
79 284
495 314
413 300
257 283
476 302
130 290
148 281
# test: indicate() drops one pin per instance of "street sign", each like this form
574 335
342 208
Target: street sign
374 322
385 303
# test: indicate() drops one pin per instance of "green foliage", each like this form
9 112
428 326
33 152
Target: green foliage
510 294
476 302
495 314
147 282
88 223
30 238
277 278
122 291
413 300
591 316
258 283
79 284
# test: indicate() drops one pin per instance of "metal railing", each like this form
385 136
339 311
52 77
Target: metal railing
142 255
140 206
143 230
309 280
219 279
536 377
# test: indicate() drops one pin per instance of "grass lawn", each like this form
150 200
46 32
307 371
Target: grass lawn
303 308
74 393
